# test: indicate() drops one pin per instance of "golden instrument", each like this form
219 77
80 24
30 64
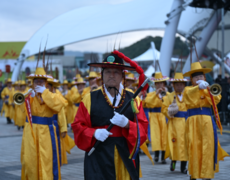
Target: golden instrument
19 98
163 93
215 89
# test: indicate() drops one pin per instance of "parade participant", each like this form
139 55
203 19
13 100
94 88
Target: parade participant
92 83
130 79
204 150
65 143
99 81
6 95
73 97
76 77
175 110
157 120
39 151
20 114
16 89
65 87
100 108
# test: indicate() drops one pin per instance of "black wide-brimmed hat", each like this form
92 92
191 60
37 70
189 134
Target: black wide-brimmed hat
112 61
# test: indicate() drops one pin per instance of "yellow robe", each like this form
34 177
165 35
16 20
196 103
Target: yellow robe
7 108
20 113
67 143
86 91
37 157
200 136
176 148
157 122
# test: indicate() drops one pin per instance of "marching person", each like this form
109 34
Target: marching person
98 109
92 78
39 152
6 95
175 110
157 120
204 151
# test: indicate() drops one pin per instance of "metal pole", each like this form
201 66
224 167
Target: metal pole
169 37
204 38
222 28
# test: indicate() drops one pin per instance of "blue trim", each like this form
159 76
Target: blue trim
146 110
155 110
55 121
181 114
49 121
77 104
207 111
138 140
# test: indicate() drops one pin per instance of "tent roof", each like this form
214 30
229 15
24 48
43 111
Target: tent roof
101 20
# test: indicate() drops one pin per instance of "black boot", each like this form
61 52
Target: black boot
173 165
156 157
163 157
19 128
183 168
8 120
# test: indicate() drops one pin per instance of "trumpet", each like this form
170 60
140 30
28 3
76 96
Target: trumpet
163 93
215 89
19 98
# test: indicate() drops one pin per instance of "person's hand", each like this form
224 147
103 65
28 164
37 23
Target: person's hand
40 89
32 92
158 91
173 108
119 120
202 84
102 134
63 134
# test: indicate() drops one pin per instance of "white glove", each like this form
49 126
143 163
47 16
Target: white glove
40 89
202 84
102 134
119 120
32 92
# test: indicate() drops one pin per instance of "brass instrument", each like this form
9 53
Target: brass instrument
163 93
215 89
19 98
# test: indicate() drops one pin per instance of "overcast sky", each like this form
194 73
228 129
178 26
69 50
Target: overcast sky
20 19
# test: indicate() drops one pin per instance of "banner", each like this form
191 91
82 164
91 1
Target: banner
10 50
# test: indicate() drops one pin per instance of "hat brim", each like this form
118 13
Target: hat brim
108 65
80 83
204 70
131 79
161 79
178 80
33 76
90 77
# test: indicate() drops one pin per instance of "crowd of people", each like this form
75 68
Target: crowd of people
177 125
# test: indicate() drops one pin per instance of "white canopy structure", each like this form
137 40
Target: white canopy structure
101 20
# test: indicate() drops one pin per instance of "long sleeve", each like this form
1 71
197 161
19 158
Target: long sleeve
131 133
62 121
75 96
165 105
3 94
52 100
82 128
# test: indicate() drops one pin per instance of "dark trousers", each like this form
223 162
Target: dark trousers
162 154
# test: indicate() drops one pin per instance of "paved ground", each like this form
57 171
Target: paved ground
10 146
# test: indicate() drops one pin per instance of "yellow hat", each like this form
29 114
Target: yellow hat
136 83
178 77
72 83
159 78
65 82
80 81
127 72
92 75
15 83
9 80
77 76
54 82
130 76
22 83
196 67
39 73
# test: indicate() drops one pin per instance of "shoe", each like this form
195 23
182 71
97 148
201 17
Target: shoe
163 162
19 128
172 166
185 171
156 159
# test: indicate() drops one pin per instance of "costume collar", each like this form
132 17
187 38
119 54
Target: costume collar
118 96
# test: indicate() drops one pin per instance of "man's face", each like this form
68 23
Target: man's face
39 82
80 86
196 78
49 86
16 87
129 82
159 85
179 86
23 88
9 84
65 87
92 81
112 77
